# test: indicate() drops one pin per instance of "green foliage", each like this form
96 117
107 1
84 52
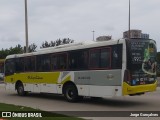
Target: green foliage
32 48
56 43
16 50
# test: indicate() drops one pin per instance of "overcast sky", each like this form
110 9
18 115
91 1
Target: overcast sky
76 19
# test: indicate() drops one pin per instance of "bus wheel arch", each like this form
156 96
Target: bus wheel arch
20 88
70 91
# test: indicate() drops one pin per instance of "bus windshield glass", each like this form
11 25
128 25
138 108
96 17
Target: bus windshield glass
141 61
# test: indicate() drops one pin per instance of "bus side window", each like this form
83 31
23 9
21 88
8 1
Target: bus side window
43 63
54 62
105 58
100 58
19 65
30 64
117 56
78 59
59 61
63 62
95 58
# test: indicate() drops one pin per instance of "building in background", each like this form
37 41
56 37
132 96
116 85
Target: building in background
135 34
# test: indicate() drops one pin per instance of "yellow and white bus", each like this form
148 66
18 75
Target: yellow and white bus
99 69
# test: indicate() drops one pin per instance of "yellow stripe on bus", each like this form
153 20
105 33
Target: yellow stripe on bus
41 77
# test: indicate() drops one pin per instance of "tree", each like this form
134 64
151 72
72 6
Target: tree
16 50
57 42
32 48
67 41
53 44
45 45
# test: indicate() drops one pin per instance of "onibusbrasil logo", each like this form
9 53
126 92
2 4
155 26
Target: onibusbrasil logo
21 115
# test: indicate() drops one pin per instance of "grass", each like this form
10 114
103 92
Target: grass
22 109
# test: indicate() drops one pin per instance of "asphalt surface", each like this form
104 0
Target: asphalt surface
56 103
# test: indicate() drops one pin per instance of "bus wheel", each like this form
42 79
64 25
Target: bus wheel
20 90
71 93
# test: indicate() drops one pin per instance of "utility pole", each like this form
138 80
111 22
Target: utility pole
129 31
93 34
26 25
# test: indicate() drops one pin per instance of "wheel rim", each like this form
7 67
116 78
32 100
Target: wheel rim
20 90
70 94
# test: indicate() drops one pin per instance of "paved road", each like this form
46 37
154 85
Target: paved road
149 101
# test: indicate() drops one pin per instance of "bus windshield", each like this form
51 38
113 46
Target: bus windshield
141 61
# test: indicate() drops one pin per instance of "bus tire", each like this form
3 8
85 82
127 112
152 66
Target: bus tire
71 93
20 90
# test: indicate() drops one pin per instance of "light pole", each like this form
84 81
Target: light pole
93 34
26 25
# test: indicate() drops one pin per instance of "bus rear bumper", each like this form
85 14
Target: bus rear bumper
139 89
